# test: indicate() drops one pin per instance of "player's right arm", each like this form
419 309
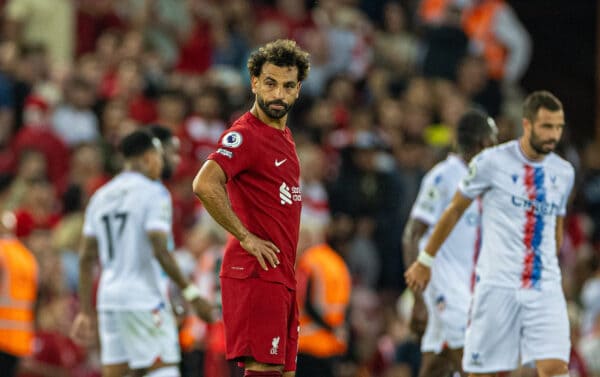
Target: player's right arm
209 187
418 275
477 182
82 330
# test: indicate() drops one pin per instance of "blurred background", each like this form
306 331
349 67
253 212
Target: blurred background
388 82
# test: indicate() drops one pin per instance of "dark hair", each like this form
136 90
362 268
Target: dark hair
537 100
282 53
160 132
473 127
137 143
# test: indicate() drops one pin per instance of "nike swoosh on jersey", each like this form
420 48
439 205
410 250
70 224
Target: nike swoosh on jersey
279 163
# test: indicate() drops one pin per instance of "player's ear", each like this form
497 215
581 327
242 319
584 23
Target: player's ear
299 87
253 83
526 124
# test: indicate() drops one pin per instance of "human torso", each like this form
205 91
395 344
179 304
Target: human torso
263 186
454 263
520 207
120 216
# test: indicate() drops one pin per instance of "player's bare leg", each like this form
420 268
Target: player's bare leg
435 365
115 370
552 367
455 356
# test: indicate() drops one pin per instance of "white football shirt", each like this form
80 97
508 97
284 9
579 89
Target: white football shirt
119 216
453 265
521 200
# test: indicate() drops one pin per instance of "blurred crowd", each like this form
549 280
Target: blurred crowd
388 82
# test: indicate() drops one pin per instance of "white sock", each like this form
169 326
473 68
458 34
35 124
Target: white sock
562 375
170 371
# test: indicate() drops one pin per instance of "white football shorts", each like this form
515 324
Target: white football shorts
138 337
446 321
510 325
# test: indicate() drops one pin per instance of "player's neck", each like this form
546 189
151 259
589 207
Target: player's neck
465 157
263 117
136 167
528 151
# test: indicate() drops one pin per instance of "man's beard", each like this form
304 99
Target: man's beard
539 146
271 113
167 171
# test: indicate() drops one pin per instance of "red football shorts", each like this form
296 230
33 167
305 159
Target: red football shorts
261 321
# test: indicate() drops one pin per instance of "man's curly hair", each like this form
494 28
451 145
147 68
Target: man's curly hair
282 53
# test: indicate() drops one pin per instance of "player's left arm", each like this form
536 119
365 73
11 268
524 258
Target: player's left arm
202 307
559 232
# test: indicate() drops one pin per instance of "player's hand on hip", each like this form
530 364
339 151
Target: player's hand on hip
203 309
83 330
265 251
417 276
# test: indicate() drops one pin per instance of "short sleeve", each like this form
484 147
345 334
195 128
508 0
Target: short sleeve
234 153
431 200
159 211
478 179
562 211
88 221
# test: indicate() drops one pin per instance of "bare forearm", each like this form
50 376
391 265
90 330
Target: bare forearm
215 200
88 258
166 260
413 232
442 229
85 286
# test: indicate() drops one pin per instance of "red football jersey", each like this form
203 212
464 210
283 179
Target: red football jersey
263 182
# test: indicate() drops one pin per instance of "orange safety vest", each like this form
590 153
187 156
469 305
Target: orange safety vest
18 292
433 11
478 23
331 285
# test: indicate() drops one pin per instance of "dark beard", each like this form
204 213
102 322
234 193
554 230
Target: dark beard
273 114
167 171
539 147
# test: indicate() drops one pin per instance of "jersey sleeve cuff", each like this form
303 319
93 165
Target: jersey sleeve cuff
158 226
466 194
423 217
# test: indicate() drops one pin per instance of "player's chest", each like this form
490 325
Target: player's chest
277 160
531 187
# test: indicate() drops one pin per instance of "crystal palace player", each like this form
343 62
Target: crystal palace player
518 312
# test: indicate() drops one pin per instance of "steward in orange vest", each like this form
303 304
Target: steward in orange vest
18 292
323 294
501 38
433 12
